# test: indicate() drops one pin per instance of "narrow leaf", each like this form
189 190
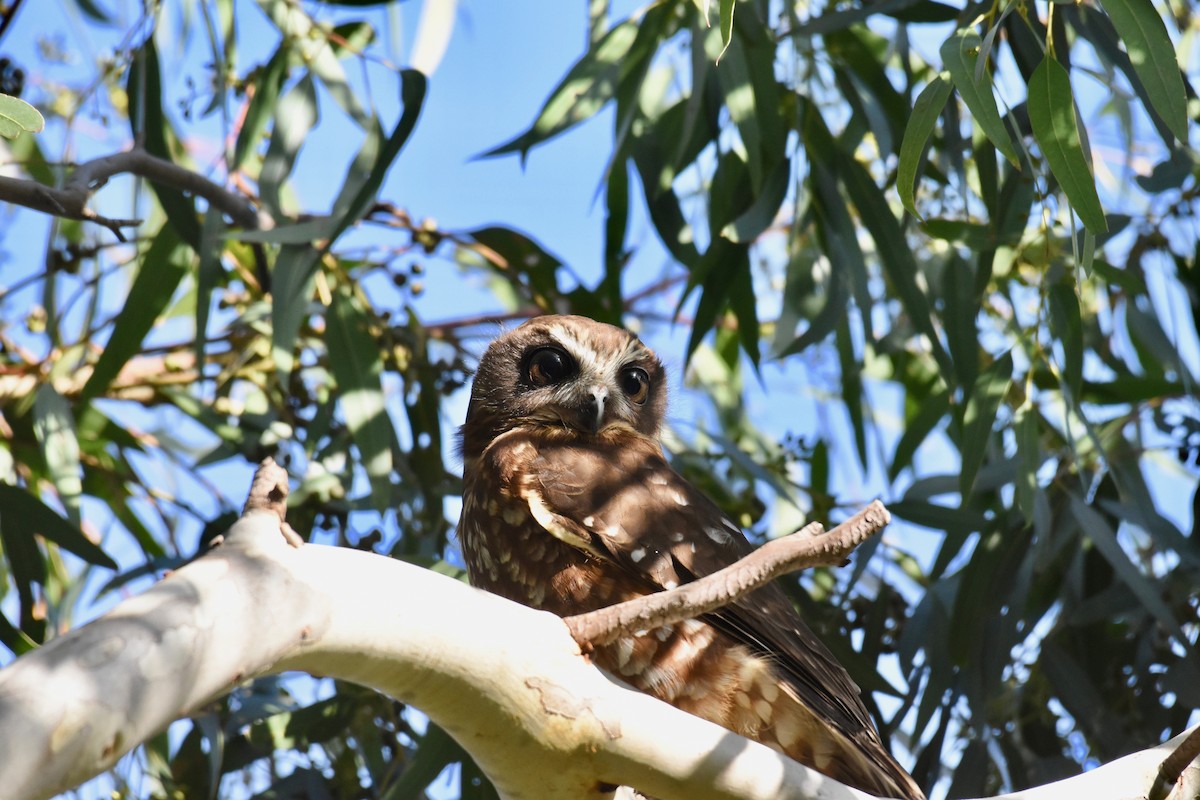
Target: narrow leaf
207 274
149 124
931 515
1029 460
292 281
1052 118
1067 328
262 104
959 54
23 512
412 94
726 25
161 270
750 224
54 426
979 416
917 430
925 113
295 116
1153 57
586 89
356 364
1097 529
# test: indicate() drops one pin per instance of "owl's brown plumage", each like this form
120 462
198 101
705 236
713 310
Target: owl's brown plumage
569 505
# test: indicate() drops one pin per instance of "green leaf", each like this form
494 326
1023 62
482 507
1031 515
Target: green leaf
267 86
1096 528
960 312
852 389
925 113
726 25
1052 118
207 273
310 43
433 753
979 416
94 11
295 268
23 514
1067 328
356 364
899 264
413 86
838 235
295 116
959 54
720 266
931 515
54 426
585 89
17 117
292 281
835 308
1144 32
161 270
750 224
150 125
1029 460
917 429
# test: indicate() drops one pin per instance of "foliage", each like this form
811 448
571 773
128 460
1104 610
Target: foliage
1046 369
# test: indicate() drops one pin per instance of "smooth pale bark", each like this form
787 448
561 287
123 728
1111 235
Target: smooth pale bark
507 682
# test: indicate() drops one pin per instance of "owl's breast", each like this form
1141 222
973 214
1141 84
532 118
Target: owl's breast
508 553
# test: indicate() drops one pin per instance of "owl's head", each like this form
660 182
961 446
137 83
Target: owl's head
564 372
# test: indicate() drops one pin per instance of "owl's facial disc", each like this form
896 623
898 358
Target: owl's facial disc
564 372
569 383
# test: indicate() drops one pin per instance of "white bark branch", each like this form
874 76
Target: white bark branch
507 682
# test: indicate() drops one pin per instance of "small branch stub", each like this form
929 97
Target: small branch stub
809 547
269 493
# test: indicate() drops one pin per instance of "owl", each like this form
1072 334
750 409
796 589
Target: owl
569 505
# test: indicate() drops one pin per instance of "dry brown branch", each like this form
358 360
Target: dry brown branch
71 201
809 547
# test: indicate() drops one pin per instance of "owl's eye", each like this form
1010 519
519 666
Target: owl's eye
549 365
635 383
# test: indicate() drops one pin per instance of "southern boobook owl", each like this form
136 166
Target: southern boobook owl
569 505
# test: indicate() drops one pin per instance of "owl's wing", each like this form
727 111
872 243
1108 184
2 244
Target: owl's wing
620 501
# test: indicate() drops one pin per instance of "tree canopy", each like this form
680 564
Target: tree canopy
941 255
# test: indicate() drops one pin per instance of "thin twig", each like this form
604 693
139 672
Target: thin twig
809 547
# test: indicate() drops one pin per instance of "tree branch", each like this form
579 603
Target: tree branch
507 682
1171 771
71 201
809 547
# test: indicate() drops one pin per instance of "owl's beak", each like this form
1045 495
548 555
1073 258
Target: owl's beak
590 415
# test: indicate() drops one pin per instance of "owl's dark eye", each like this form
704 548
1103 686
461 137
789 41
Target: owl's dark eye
549 365
635 383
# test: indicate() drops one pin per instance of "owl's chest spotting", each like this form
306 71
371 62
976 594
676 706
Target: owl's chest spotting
509 554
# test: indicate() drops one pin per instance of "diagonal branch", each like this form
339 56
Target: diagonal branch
71 201
809 547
